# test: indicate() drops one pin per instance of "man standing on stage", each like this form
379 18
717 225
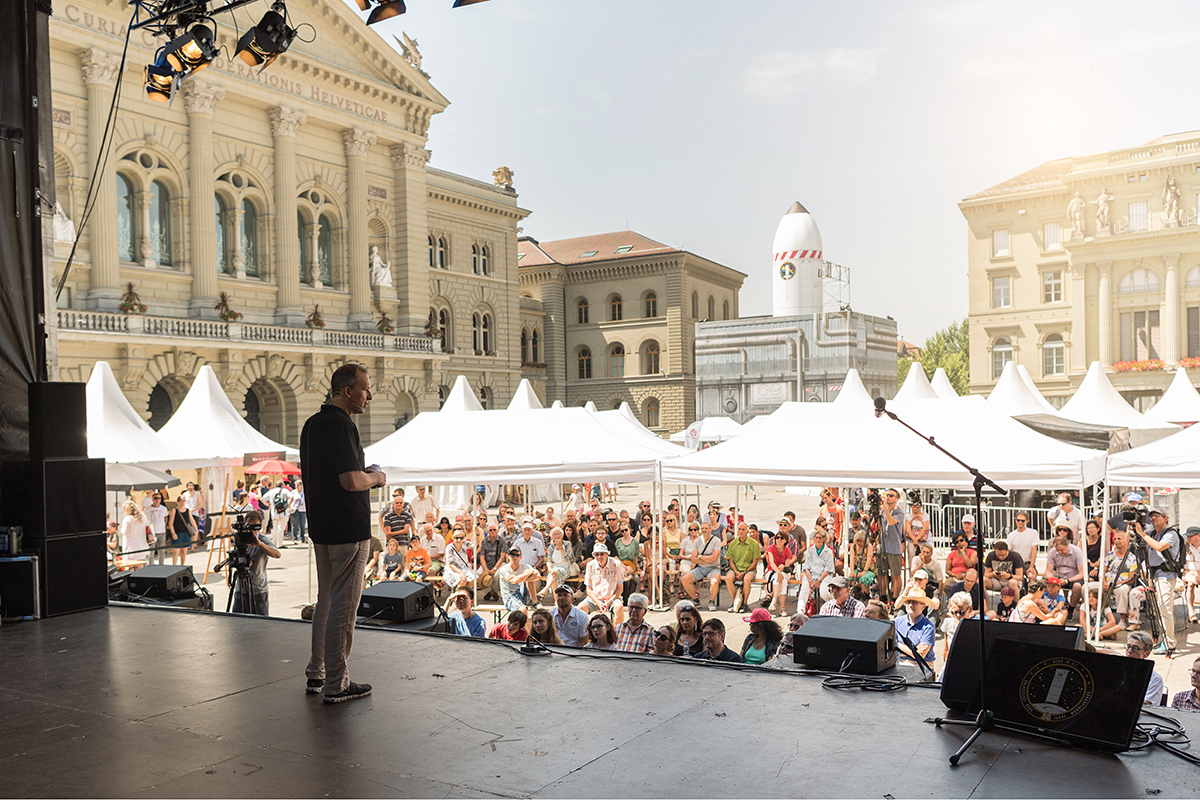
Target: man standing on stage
339 521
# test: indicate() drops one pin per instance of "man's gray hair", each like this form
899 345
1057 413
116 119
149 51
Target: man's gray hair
1143 639
638 599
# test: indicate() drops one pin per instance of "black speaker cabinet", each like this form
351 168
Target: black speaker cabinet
827 643
74 573
57 420
960 680
162 580
397 601
20 597
53 497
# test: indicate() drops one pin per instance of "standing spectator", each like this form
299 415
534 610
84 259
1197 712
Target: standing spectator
744 554
841 604
1067 562
1023 541
134 532
602 634
1191 572
490 558
634 635
156 518
1164 557
707 559
1139 645
253 599
916 628
300 514
603 581
340 526
512 629
1065 513
195 507
463 619
181 527
888 559
1002 567
279 503
714 644
761 644
569 621
424 504
1189 699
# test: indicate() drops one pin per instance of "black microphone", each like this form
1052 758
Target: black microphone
880 407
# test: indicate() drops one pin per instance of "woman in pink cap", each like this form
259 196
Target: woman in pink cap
764 637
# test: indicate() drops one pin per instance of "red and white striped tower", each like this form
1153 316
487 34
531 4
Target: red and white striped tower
798 257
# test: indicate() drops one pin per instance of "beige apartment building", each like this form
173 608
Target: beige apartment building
612 318
1089 258
298 192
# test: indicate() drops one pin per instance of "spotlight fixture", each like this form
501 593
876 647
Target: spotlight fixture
385 10
191 52
267 40
159 81
459 3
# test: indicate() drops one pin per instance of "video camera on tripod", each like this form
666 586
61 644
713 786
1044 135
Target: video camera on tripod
245 536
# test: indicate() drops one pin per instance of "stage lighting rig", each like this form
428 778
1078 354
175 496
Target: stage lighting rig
386 9
267 40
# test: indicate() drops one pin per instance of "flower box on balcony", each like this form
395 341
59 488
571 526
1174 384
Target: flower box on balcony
1148 365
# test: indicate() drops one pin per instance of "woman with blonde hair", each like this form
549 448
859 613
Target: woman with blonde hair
133 531
541 625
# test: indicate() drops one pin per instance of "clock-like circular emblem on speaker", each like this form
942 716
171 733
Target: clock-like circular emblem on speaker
787 270
1057 689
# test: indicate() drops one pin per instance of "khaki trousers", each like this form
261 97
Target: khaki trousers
339 587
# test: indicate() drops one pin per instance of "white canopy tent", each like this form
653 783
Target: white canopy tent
461 400
1013 396
558 404
941 384
853 393
916 385
118 434
1005 450
1173 461
712 429
1096 401
524 398
1180 403
622 421
1037 393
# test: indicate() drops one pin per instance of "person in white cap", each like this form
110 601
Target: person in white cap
1064 511
575 501
604 580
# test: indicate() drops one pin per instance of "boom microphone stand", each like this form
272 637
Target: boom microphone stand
984 720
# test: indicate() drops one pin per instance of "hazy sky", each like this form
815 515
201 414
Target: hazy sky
697 123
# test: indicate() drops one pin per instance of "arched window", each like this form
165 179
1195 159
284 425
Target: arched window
652 413
1054 360
443 318
650 358
487 334
1139 280
725 310
250 238
441 253
476 330
712 308
534 349
651 304
222 214
485 259
305 247
581 309
524 346
1193 278
124 218
695 305
481 333
475 259
485 397
253 409
584 362
325 251
432 248
614 308
443 393
1002 351
160 223
616 361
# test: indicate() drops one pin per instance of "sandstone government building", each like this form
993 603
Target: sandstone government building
270 189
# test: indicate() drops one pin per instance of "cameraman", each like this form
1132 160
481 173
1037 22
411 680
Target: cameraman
252 599
1164 548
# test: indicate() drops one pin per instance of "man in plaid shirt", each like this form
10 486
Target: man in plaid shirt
842 604
635 636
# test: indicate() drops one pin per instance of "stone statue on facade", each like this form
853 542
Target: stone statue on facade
381 271
432 329
1075 209
1170 200
408 49
502 176
64 229
1104 209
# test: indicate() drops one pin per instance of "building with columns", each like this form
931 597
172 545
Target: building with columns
1090 258
247 216
612 318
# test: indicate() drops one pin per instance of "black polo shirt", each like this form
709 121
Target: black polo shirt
329 446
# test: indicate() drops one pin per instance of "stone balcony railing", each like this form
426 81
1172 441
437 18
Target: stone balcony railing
105 323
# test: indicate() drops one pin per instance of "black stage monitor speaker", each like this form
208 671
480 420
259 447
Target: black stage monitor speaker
960 679
20 594
829 642
57 420
74 573
57 497
1091 699
397 601
162 580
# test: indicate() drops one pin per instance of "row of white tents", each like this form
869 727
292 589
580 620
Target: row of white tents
817 444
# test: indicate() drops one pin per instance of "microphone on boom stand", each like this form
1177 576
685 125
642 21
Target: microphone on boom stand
880 407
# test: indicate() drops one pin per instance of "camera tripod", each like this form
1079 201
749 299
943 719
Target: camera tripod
1157 627
237 578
